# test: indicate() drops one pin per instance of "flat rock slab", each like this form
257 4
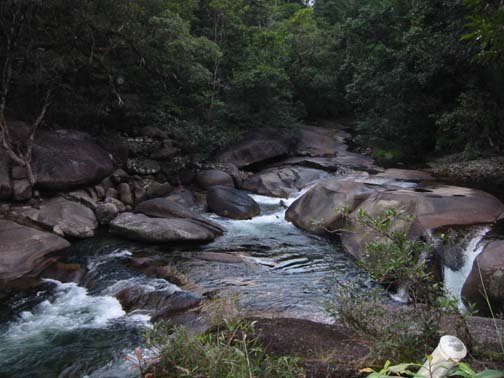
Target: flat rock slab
24 250
63 217
318 141
159 230
406 175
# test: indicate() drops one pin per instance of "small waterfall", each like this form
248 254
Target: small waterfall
454 280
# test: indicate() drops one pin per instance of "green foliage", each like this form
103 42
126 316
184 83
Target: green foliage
229 350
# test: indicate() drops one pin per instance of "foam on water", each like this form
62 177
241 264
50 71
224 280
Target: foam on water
454 280
71 307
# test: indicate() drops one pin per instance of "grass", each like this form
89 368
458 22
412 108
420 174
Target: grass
230 350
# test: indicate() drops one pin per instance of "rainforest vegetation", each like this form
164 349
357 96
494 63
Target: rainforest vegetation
419 77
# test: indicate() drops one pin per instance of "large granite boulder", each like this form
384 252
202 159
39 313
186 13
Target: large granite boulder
430 208
160 230
213 177
64 159
281 182
490 262
24 250
255 148
166 208
5 180
318 141
61 216
231 203
320 209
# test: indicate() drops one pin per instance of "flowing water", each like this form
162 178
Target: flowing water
66 330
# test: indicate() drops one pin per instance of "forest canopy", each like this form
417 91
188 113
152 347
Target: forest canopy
419 77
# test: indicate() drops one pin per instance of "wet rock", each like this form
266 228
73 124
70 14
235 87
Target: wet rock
213 177
490 262
65 159
159 230
281 182
254 148
24 250
64 272
5 180
118 204
320 209
22 190
160 303
166 208
125 194
155 266
231 203
430 209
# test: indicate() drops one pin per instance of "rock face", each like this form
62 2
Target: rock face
24 251
281 182
5 181
430 209
64 159
63 217
231 203
159 230
255 148
166 208
213 177
319 209
406 174
491 265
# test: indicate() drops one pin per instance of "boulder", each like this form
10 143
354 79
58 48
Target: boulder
430 209
63 217
24 250
83 197
22 189
106 212
160 303
490 262
156 189
153 132
281 182
119 176
125 194
64 159
318 141
213 177
166 208
5 180
255 148
319 210
182 196
231 203
159 230
165 153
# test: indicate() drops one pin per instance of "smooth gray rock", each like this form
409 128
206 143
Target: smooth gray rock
231 203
